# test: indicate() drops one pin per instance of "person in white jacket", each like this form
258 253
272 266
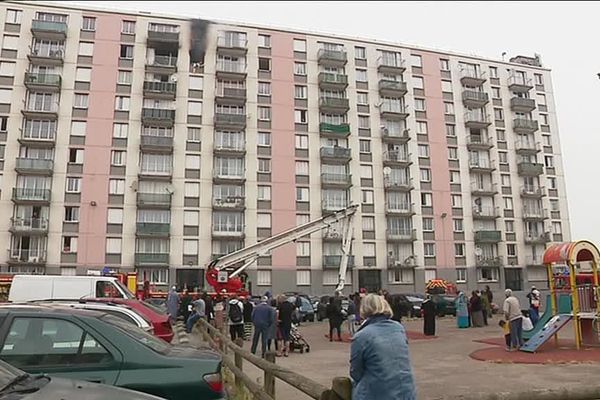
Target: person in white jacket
512 313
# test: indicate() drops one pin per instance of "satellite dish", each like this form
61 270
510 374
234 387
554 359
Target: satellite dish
173 78
478 251
387 170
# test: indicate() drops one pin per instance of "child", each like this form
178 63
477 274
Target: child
506 328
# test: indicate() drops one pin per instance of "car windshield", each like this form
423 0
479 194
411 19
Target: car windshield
138 334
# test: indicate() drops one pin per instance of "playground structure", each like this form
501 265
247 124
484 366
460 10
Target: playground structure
572 269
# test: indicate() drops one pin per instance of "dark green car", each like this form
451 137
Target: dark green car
97 347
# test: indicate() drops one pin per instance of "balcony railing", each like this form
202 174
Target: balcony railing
229 176
524 146
334 129
231 67
232 93
27 256
401 234
471 77
151 258
229 202
35 107
31 194
528 168
29 224
399 208
41 79
158 142
164 61
486 212
169 88
332 56
390 86
474 97
525 125
152 229
230 119
536 213
53 27
233 231
399 184
336 179
484 187
334 103
396 156
488 236
335 152
518 83
34 165
154 199
238 145
537 237
45 52
158 36
477 141
400 136
520 104
390 64
329 78
489 261
335 260
232 42
531 190
158 114
481 164
477 119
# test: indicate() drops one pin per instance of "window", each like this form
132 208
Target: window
401 275
365 146
541 99
302 219
190 247
511 249
426 200
264 165
300 68
425 174
496 92
423 150
83 74
263 277
264 64
368 196
126 52
86 49
363 122
68 271
303 277
457 224
128 27
264 193
487 274
554 206
71 214
538 79
263 220
456 200
447 86
427 224
444 64
493 72
7 68
192 161
556 228
193 135
300 45
122 103
505 180
14 16
498 114
69 244
191 189
459 249
120 130
416 60
549 161
300 92
429 249
113 245
88 24
448 108
194 108
368 224
125 77
360 53
510 226
366 172
419 104
452 153
264 88
10 42
196 82
301 167
450 130
461 275
301 116
418 82
264 139
302 194
80 101
508 203
264 41
544 118
454 177
115 216
362 98
75 156
552 182
45 127
73 185
501 135
264 113
116 186
361 75
301 141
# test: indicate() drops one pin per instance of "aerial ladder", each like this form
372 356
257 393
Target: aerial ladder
219 272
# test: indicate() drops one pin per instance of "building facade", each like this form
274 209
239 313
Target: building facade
153 144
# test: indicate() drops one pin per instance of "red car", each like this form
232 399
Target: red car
160 320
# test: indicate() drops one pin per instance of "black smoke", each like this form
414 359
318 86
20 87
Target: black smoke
199 38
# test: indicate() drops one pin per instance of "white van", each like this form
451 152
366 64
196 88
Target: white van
49 287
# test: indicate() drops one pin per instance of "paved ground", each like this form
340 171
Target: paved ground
442 366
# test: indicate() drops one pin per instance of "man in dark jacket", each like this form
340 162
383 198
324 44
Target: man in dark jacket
248 307
262 318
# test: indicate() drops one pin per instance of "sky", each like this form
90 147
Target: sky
564 33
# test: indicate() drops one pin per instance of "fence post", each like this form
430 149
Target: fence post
269 377
238 360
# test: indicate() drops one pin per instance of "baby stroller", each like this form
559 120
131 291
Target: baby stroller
297 341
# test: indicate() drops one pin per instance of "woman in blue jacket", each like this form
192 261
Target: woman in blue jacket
379 361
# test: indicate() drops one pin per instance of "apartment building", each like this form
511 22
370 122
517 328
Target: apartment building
148 143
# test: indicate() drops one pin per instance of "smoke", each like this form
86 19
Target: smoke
198 45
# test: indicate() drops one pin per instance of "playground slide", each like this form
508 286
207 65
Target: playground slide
564 307
550 328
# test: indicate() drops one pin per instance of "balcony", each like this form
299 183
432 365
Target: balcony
488 261
393 112
400 185
48 29
334 261
158 117
474 99
233 45
26 257
401 235
536 214
42 111
162 64
390 88
472 78
45 56
226 95
525 168
481 165
35 138
156 174
396 261
236 147
229 178
531 261
486 212
477 120
488 236
231 70
525 147
333 105
230 121
533 191
34 166
523 125
228 231
337 58
520 104
31 196
44 82
229 203
142 259
519 84
331 205
484 189
400 209
152 229
29 226
336 153
333 81
397 157
156 143
156 38
160 90
331 179
390 65
154 200
334 130
389 136
477 142
537 237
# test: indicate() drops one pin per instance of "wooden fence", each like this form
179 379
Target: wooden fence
341 388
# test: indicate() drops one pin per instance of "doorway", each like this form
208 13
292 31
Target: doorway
189 279
369 279
513 278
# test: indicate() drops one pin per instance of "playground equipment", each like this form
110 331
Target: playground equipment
573 270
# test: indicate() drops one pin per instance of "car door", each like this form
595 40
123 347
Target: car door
58 346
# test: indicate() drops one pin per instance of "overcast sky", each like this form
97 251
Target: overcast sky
564 33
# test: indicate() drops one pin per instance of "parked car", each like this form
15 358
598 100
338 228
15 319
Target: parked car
17 384
401 304
158 302
97 347
416 305
445 304
307 312
159 319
